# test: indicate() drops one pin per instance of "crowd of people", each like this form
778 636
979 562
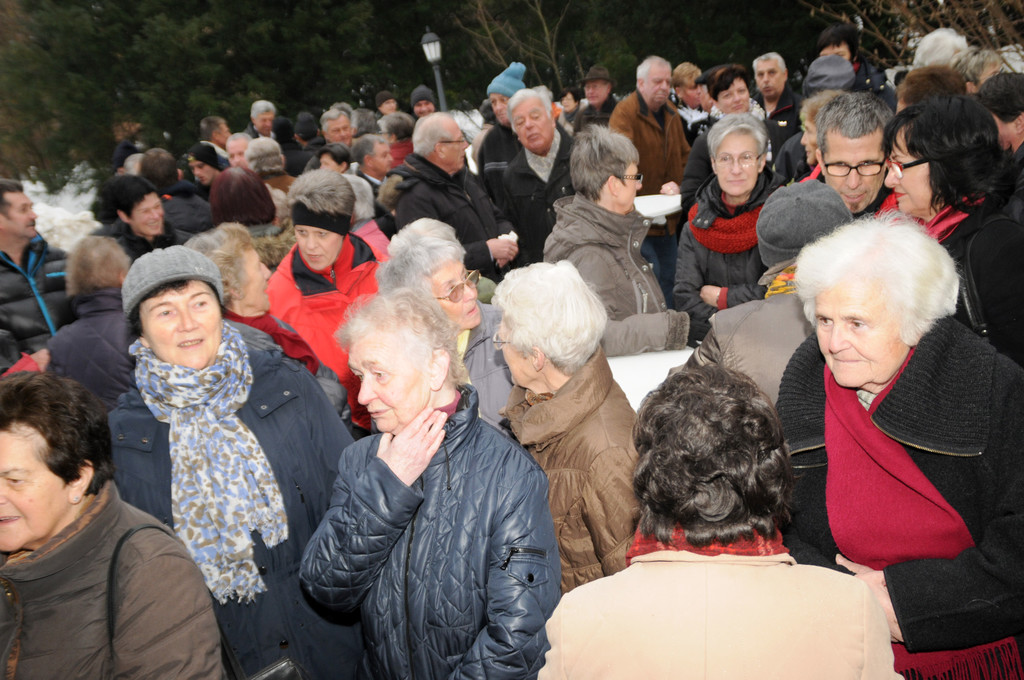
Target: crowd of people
342 401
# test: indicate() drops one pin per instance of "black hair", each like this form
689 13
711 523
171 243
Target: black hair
724 76
837 34
339 153
1003 95
712 459
124 192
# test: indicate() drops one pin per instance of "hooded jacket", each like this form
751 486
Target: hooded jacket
456 574
184 210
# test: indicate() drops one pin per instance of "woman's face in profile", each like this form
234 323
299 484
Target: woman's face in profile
35 504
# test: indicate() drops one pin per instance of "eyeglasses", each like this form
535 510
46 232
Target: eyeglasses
746 160
498 342
898 168
456 293
460 140
636 178
865 169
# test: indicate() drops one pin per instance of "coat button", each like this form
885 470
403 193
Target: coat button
263 407
636 244
263 570
145 440
120 437
287 392
283 644
644 268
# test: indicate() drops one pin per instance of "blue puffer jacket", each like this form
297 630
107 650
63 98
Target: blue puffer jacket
456 575
301 434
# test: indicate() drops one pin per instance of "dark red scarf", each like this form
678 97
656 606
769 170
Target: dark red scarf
642 545
291 343
904 517
945 223
728 234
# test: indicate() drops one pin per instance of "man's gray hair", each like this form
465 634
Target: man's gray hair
400 124
239 135
365 122
364 146
264 155
261 106
324 192
428 132
333 114
208 126
645 66
973 62
363 208
768 56
852 115
550 307
416 253
597 154
738 123
917 277
939 47
527 94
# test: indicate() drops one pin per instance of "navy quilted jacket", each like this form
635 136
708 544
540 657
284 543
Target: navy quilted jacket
456 575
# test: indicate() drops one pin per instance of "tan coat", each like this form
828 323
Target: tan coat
583 439
680 615
663 151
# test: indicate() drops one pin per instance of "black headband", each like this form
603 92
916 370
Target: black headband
338 224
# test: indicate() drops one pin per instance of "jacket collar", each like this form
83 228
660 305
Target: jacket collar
592 223
99 301
458 427
682 556
354 252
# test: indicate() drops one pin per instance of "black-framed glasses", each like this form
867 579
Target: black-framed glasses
461 140
458 290
498 342
865 169
636 178
898 168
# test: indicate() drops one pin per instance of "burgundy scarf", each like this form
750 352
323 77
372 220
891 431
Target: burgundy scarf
903 518
642 545
944 223
291 343
728 234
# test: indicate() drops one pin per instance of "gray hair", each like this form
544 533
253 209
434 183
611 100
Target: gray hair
133 164
770 55
400 124
550 307
939 47
333 114
428 132
363 208
364 146
852 115
261 106
738 123
239 135
324 192
645 66
264 155
917 276
527 94
208 126
415 316
364 121
416 253
597 154
973 62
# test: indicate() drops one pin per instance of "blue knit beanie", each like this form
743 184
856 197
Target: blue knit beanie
509 81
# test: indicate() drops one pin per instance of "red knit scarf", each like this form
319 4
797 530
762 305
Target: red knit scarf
902 518
644 544
291 343
728 234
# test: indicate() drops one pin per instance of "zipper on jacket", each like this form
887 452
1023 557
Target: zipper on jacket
924 448
302 496
408 561
516 550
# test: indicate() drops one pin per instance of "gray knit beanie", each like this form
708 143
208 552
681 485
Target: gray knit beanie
166 265
794 216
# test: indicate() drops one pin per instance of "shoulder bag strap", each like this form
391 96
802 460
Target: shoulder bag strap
969 292
112 578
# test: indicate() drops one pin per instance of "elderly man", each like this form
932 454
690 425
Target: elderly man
774 94
266 160
373 154
651 122
261 119
32 300
538 175
500 145
435 183
236 146
1003 96
850 131
597 86
336 124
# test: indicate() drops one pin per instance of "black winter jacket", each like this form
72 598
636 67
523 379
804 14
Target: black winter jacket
184 210
499 146
32 300
457 200
136 246
455 575
958 409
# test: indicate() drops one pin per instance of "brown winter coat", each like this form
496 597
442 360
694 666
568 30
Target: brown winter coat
53 621
678 615
663 151
582 438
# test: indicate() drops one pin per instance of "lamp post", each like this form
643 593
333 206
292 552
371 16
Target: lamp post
432 49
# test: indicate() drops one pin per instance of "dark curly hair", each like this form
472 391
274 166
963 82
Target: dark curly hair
712 459
69 418
961 142
724 76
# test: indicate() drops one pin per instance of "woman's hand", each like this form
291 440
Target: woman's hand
876 582
709 295
670 188
409 452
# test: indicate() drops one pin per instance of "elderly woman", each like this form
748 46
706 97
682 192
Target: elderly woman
600 233
94 348
711 591
439 528
427 256
905 430
234 449
62 525
948 171
719 264
568 411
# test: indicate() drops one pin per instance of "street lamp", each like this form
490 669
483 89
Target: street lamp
432 49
